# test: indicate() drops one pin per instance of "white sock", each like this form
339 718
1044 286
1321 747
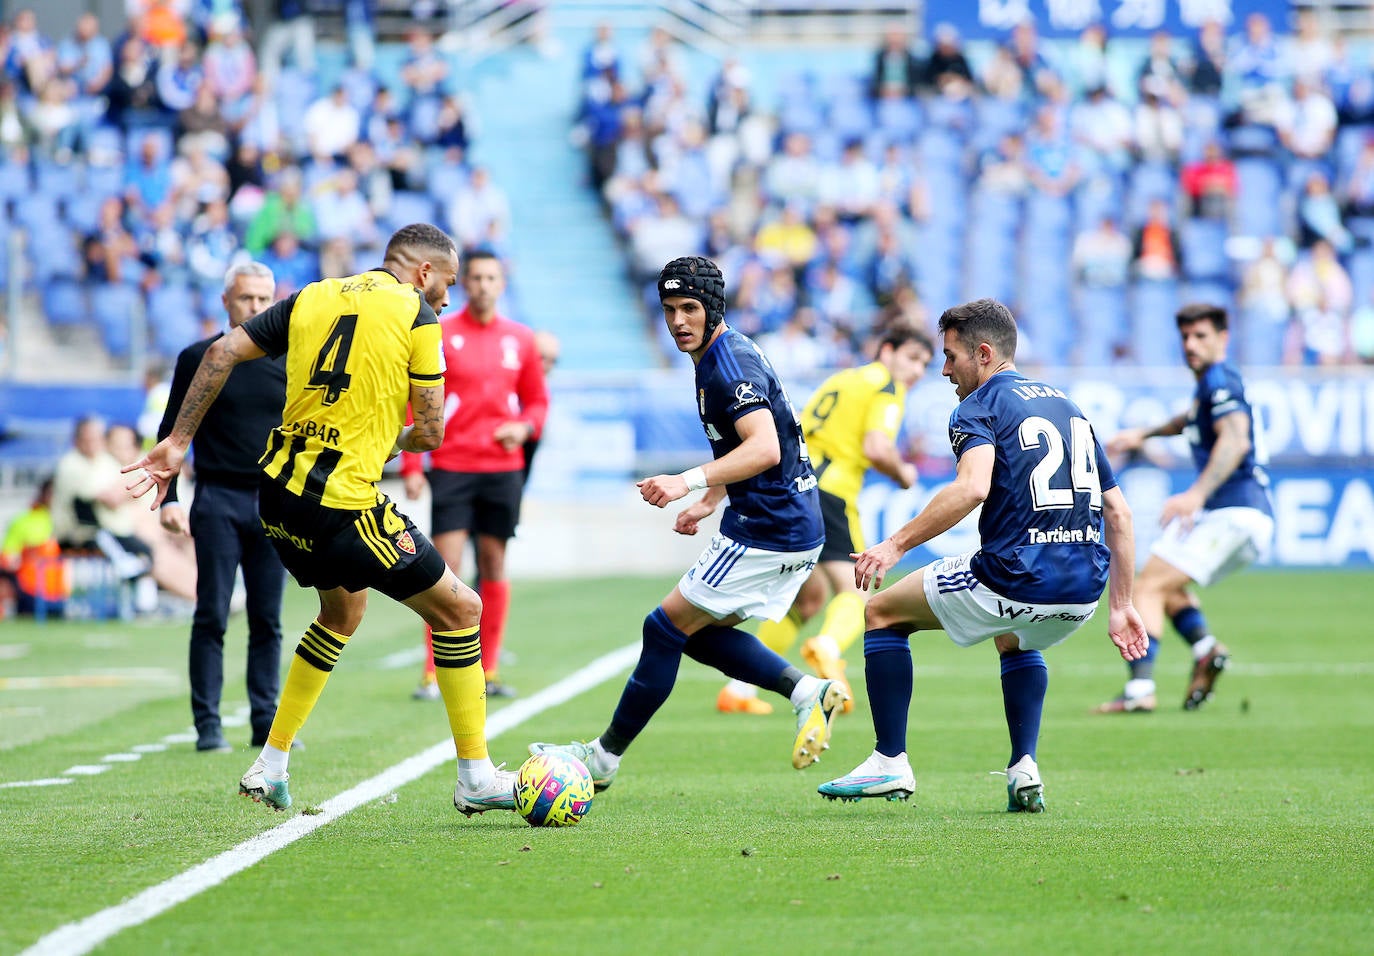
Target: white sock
806 689
889 764
1204 647
1139 687
476 774
741 689
604 758
274 760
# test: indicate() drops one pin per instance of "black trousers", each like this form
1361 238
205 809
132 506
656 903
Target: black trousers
227 535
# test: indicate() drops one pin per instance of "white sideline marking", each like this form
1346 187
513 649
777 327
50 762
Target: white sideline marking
121 758
402 659
45 782
87 769
85 935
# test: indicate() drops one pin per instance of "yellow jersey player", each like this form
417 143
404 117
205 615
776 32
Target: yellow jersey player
851 425
357 350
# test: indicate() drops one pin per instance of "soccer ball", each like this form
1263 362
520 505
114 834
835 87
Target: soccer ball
553 790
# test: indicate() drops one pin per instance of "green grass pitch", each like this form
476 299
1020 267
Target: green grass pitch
1244 827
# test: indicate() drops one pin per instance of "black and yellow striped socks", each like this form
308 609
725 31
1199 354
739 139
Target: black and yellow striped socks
316 655
458 669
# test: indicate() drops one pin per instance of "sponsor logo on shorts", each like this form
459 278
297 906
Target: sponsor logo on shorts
1013 612
807 566
405 542
297 542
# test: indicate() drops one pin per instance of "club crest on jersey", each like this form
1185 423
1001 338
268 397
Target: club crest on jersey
510 352
405 542
701 398
455 342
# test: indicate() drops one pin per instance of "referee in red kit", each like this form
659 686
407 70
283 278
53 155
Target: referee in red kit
495 400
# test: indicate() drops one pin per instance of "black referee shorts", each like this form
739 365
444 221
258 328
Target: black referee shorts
476 502
328 548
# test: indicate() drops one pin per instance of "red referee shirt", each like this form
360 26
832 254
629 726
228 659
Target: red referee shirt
494 376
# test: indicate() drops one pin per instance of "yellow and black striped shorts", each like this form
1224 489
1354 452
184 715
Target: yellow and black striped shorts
327 548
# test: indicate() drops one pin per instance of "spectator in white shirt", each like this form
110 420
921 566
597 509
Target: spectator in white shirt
331 125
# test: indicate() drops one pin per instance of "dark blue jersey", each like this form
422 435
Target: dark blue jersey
1041 527
778 510
1220 392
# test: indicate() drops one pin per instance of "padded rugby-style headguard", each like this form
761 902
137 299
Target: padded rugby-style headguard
696 277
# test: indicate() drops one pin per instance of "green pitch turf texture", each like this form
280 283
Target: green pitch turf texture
1244 827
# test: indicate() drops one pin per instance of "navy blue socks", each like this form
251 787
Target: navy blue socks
887 669
1025 679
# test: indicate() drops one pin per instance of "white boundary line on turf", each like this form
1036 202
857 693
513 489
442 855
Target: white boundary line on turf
85 935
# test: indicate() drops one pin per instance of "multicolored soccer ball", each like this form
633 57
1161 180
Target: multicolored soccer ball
553 790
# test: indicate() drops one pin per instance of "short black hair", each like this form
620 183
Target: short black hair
421 237
900 333
1202 312
982 320
477 255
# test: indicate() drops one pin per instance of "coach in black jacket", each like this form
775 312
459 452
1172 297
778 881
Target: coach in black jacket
224 517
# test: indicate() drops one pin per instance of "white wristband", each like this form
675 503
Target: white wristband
695 478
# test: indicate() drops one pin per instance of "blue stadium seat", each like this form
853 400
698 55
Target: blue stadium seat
1102 324
1259 335
444 179
1350 141
1202 243
899 119
81 211
113 304
14 180
1214 292
850 118
1095 199
1154 337
105 142
104 181
57 179
1361 269
173 318
64 302
407 207
36 211
1149 181
53 251
1260 190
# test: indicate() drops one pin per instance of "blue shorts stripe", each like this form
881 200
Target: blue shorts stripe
720 559
717 574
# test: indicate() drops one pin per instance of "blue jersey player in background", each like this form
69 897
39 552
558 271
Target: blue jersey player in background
1054 529
1221 523
770 535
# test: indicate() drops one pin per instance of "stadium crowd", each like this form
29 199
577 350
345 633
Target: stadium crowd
1120 176
138 169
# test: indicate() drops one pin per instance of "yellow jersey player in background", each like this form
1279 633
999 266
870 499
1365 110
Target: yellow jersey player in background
357 350
851 425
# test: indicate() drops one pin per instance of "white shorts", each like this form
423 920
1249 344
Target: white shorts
971 612
731 578
1220 542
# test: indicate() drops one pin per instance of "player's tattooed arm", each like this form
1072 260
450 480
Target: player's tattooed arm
214 370
154 471
1232 445
427 407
